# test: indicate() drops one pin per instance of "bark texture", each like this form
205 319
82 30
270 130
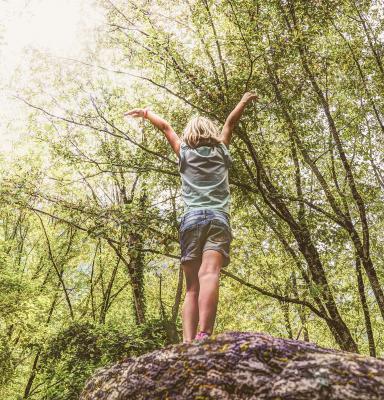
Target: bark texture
241 366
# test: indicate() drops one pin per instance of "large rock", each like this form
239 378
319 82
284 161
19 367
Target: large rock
241 366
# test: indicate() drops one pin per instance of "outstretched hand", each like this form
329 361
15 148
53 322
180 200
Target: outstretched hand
136 112
248 97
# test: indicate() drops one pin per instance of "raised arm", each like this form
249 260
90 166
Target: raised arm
234 116
159 123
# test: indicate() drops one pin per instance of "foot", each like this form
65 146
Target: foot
202 336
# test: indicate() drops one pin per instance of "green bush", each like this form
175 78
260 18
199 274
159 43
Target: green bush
77 351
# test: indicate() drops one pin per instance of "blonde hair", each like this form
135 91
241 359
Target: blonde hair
201 131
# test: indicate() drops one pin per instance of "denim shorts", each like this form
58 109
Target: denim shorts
202 230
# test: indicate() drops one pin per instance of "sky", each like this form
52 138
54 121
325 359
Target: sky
60 28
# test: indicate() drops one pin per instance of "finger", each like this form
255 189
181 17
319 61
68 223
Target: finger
132 115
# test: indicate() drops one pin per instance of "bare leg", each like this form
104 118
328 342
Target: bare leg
209 274
191 307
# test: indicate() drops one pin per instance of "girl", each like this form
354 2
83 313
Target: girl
205 233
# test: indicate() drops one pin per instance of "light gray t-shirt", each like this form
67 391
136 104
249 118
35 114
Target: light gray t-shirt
204 176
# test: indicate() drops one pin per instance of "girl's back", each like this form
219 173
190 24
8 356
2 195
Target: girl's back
204 175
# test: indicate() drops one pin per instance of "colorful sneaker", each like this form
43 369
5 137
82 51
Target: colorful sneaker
202 336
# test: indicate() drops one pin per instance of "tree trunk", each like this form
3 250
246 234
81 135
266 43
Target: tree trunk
364 305
302 235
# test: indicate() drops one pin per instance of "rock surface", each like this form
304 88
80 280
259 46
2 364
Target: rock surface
241 366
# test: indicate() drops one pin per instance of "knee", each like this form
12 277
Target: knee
209 270
193 290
